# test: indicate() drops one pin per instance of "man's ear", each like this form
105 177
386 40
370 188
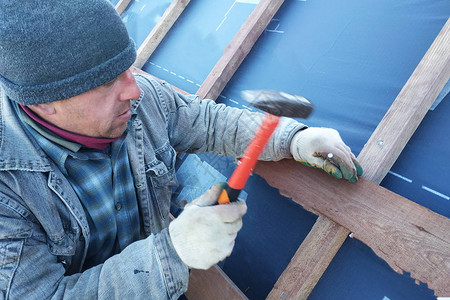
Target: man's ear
43 109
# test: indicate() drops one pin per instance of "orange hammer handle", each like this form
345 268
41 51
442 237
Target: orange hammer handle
245 166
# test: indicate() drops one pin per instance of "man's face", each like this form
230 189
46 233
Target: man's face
101 112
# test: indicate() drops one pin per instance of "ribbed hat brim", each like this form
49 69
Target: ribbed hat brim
75 85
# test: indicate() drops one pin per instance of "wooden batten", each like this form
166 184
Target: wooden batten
212 284
310 260
159 31
121 6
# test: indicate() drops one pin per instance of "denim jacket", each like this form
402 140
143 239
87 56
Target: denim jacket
44 234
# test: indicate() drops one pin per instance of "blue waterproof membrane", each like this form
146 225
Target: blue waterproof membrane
351 59
141 16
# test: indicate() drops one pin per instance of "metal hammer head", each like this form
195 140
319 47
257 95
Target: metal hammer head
279 103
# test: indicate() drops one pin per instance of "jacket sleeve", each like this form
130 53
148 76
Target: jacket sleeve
149 268
199 126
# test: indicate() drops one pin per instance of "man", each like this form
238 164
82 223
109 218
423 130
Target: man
87 161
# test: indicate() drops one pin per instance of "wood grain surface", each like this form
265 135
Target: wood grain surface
408 236
212 284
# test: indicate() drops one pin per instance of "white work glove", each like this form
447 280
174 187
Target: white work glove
323 148
204 233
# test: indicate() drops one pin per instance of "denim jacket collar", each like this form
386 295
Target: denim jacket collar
25 156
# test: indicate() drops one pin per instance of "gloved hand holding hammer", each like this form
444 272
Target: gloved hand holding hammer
204 233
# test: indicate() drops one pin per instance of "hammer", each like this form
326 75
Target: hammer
276 104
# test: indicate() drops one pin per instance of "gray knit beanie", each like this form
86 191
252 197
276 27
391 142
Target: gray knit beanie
52 50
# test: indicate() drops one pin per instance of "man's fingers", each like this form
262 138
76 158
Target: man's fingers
359 169
348 171
323 148
351 163
341 161
331 169
233 228
209 197
337 157
229 213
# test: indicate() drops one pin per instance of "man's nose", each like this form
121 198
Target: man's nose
130 89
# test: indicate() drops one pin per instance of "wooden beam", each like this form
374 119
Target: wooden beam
212 284
238 48
406 113
121 6
310 261
159 31
409 237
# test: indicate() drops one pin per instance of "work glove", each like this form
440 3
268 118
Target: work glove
323 148
204 233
